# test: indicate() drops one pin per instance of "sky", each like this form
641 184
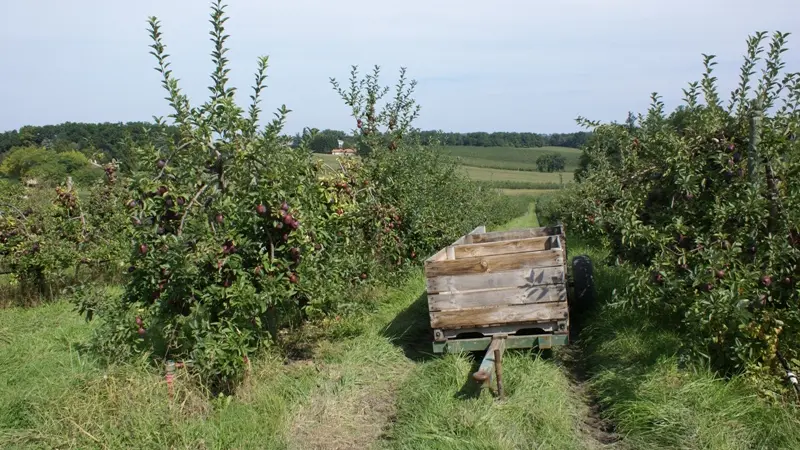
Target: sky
481 65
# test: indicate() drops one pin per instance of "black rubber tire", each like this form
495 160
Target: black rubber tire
583 287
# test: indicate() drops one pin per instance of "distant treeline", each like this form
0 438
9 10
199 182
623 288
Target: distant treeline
508 139
109 138
95 140
322 141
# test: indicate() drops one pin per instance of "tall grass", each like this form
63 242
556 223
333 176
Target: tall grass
637 378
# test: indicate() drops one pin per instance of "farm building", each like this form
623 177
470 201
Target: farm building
343 152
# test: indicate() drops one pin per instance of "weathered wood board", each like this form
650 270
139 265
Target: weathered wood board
500 315
495 263
495 236
497 279
497 297
520 278
442 254
505 247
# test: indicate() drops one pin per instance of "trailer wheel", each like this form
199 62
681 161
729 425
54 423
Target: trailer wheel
584 290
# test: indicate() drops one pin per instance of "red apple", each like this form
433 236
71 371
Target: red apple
766 280
657 277
363 276
161 163
261 210
141 331
219 218
143 249
293 278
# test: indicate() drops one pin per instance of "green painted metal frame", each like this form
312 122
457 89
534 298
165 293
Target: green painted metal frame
542 341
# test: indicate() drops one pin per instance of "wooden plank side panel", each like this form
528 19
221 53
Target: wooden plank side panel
466 239
495 263
534 276
495 236
536 312
505 247
497 297
438 256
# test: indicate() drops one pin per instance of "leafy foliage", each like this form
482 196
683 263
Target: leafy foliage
702 206
104 142
505 139
551 162
46 165
236 234
43 232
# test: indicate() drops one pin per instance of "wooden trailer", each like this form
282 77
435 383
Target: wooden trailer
499 290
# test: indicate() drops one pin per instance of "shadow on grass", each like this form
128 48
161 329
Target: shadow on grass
471 388
411 331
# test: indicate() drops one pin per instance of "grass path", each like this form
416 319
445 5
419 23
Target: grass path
399 396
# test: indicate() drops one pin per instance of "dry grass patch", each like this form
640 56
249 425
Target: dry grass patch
353 404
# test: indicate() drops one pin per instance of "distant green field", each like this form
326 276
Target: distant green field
329 159
511 158
531 192
507 158
486 174
521 182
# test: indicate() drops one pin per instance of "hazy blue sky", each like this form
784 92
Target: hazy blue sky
489 65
